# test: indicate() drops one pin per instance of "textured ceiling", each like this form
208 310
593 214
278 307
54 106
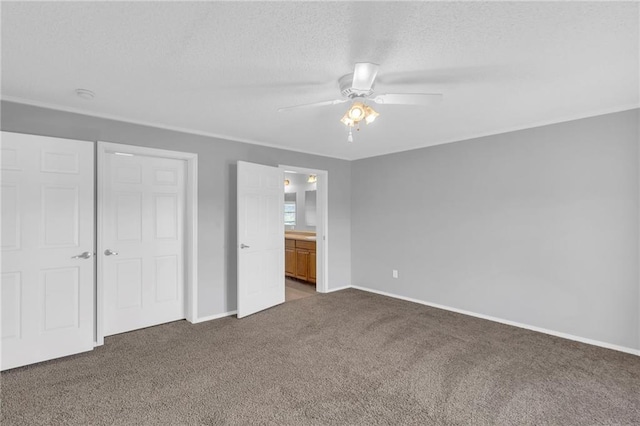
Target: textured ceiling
224 68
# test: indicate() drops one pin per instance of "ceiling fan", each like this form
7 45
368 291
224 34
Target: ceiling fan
358 88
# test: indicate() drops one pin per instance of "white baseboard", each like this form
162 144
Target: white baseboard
213 317
503 321
331 290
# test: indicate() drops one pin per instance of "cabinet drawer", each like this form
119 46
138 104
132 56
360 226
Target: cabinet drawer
309 245
289 243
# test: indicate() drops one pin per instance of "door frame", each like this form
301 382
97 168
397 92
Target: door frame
191 226
322 225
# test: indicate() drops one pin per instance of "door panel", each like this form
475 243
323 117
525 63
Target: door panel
60 216
143 224
166 278
128 283
128 216
11 306
10 217
165 213
59 162
61 291
260 238
47 290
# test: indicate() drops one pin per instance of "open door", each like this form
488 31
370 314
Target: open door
260 238
47 284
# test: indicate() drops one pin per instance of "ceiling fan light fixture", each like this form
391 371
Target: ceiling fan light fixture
358 112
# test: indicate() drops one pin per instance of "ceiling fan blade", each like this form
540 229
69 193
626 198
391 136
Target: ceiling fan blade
450 75
364 74
314 104
422 99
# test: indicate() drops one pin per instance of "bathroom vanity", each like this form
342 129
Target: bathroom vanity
300 255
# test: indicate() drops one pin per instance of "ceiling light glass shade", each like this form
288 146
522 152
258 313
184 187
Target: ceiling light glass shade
312 179
370 114
287 182
356 112
346 120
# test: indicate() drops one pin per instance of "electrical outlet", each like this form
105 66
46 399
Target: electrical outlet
395 273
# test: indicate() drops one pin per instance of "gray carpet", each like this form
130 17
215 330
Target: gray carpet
344 358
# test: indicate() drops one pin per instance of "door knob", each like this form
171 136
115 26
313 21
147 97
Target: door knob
108 252
85 255
242 246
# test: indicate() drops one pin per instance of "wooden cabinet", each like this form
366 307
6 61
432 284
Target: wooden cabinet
289 257
290 262
302 264
300 259
312 266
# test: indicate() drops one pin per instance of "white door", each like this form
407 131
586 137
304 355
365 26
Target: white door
47 286
141 244
260 237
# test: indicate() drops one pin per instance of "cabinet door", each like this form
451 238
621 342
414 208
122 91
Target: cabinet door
312 266
302 264
290 262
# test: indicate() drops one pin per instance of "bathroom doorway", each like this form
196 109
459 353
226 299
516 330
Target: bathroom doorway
305 231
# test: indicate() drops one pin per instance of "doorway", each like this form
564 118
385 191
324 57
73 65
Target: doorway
261 240
305 229
147 229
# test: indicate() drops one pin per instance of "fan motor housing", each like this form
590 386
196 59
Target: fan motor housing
346 88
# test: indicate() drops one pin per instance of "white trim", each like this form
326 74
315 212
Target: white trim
504 130
156 125
191 214
564 119
507 322
342 288
214 317
191 218
99 202
322 225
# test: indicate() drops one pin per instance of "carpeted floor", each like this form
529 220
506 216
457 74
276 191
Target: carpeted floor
348 357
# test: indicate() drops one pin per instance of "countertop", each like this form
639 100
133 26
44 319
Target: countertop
300 236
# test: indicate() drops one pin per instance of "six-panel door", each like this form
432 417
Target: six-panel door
47 286
260 243
142 245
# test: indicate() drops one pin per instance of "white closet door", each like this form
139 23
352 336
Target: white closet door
142 245
260 237
47 287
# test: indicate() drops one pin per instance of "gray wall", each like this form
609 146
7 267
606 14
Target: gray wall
538 226
216 190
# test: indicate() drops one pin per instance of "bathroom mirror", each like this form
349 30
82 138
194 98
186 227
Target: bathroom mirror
310 208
